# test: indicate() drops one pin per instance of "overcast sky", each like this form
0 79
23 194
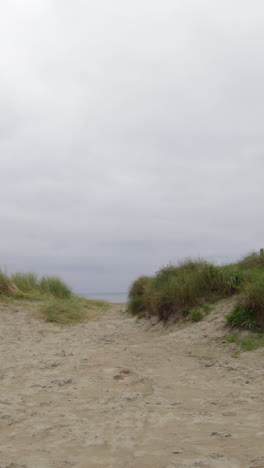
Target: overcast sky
131 135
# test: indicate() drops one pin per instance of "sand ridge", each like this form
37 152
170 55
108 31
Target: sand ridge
118 392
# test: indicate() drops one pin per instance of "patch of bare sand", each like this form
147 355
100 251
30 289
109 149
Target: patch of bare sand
121 393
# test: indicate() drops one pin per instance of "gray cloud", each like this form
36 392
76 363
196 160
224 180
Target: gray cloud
130 135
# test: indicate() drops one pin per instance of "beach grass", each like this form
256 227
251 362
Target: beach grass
55 287
184 289
25 282
50 297
28 285
176 290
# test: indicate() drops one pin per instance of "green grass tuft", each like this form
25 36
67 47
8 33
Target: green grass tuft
196 315
55 286
7 287
242 318
247 344
249 312
28 286
25 282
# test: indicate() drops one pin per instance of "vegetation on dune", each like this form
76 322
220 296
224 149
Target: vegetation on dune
249 311
196 315
180 291
57 303
7 287
255 341
55 287
137 295
253 260
28 285
25 282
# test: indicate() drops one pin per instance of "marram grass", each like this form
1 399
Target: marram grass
29 286
178 291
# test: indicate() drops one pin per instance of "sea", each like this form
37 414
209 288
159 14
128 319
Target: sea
117 298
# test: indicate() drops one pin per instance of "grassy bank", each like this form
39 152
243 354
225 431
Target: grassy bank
30 286
185 290
54 300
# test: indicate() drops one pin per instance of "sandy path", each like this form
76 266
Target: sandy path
182 400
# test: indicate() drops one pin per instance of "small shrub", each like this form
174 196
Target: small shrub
241 317
249 312
196 315
253 301
55 286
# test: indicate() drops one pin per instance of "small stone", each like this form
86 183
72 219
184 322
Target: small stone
125 371
37 385
63 382
67 381
216 455
221 434
176 451
118 377
229 413
15 465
